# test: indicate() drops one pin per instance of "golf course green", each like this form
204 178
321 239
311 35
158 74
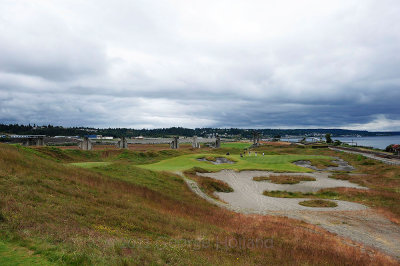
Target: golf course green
279 163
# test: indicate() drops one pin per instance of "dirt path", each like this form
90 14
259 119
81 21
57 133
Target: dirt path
348 219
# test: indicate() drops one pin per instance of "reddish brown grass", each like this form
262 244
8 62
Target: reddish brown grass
64 211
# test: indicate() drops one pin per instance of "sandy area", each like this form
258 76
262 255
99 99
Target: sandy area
247 194
349 220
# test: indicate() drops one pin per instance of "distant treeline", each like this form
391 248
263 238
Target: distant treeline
51 130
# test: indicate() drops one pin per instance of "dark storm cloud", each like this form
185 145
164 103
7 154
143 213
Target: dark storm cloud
201 63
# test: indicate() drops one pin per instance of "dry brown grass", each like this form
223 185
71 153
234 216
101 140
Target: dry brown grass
77 216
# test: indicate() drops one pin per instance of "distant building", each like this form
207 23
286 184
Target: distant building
26 136
98 137
92 136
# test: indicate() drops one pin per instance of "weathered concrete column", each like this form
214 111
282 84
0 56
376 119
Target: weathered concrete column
195 144
29 142
218 142
40 141
86 144
175 143
123 143
256 139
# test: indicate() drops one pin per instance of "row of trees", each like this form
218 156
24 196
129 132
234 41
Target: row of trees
51 130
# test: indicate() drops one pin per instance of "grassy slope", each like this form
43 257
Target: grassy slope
71 215
267 162
14 255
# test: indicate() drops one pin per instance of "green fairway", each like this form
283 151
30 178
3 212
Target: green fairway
268 162
236 145
90 164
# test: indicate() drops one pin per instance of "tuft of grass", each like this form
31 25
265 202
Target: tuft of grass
318 203
284 179
211 185
208 185
296 194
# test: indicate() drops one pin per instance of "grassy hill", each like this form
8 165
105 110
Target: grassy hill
52 212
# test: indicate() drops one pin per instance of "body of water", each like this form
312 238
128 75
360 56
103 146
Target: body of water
380 142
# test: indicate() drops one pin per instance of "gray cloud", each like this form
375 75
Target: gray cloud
201 63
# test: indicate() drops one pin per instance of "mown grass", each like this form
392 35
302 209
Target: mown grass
284 179
318 203
119 214
107 155
267 162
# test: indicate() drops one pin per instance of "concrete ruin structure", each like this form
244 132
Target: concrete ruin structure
86 144
218 142
256 139
195 143
123 143
34 141
175 143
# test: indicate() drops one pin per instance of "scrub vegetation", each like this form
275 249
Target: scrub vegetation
322 163
208 185
53 212
284 179
318 203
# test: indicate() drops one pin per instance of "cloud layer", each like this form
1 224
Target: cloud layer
264 64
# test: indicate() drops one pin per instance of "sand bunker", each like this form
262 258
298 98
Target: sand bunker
218 160
342 165
248 198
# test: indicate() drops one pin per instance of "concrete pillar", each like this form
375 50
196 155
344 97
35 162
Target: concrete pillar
256 139
175 143
123 143
40 141
218 142
195 144
86 144
29 142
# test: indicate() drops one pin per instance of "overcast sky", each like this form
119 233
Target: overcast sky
248 64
